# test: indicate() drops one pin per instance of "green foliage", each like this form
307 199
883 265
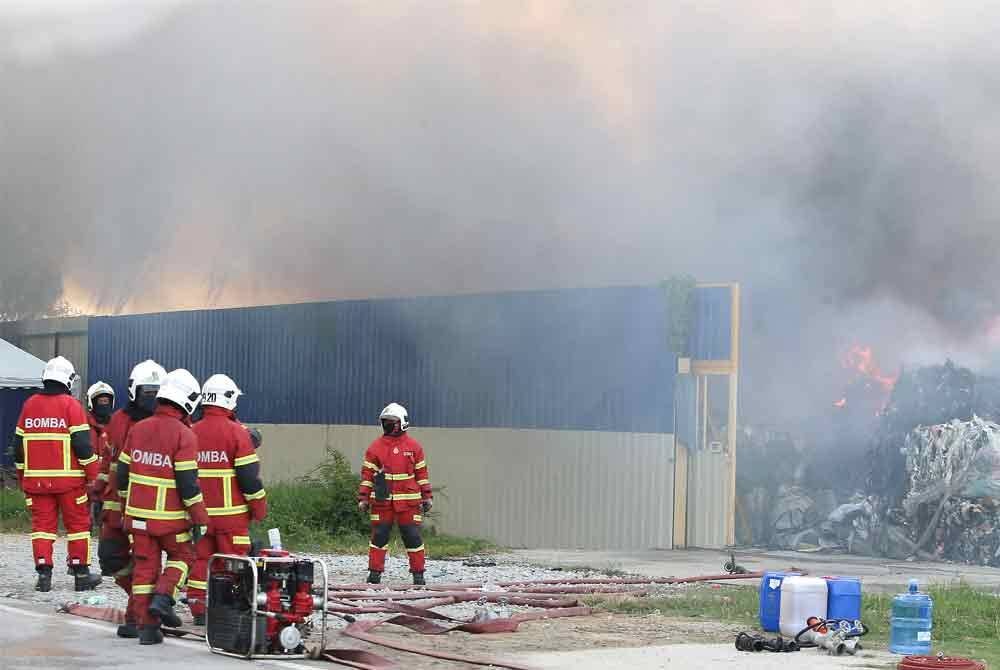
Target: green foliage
13 513
680 312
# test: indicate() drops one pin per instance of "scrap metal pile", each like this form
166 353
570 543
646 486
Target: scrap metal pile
933 478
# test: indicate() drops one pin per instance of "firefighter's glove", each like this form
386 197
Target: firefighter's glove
363 506
426 506
198 532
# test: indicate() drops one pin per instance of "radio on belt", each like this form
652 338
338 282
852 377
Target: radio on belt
265 606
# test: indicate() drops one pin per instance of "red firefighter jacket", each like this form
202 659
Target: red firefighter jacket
402 460
228 471
117 431
99 443
157 475
52 452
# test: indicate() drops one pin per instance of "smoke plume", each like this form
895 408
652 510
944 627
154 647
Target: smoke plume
836 159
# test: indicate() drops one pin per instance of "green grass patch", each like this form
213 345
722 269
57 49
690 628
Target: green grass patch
966 620
14 515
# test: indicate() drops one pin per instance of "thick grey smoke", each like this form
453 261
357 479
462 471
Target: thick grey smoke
836 159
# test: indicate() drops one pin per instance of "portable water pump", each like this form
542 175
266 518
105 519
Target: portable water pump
265 606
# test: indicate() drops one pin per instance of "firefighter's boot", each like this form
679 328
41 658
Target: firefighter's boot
128 630
83 579
150 634
163 607
374 577
44 581
418 579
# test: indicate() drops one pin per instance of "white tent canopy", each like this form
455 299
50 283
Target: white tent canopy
18 368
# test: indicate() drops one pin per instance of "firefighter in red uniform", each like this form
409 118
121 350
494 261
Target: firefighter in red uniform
395 488
158 479
229 475
56 466
100 403
113 550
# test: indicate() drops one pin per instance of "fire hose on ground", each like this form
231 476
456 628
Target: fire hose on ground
413 610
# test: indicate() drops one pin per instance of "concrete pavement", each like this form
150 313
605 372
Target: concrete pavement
878 574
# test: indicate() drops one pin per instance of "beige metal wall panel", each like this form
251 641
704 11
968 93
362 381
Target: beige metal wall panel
709 507
520 488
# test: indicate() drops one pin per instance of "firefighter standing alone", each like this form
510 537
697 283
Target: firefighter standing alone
395 488
56 466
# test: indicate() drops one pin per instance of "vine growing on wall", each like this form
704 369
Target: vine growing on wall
679 293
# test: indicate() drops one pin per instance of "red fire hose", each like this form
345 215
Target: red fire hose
939 663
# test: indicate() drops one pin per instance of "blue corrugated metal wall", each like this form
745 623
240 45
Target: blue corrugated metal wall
11 401
586 359
710 334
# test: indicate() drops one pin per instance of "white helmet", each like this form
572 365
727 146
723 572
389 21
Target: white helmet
100 388
396 411
221 391
181 388
147 373
59 370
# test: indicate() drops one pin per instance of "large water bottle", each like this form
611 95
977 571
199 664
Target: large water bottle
911 622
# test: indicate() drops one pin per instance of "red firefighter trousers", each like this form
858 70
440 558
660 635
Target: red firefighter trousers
147 577
45 511
219 542
409 521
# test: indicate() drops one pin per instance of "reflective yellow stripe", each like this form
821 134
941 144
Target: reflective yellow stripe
44 536
246 460
63 438
54 473
216 473
398 478
406 496
124 458
77 429
57 437
27 502
112 506
87 461
142 589
195 584
103 477
83 535
413 551
194 501
161 498
421 464
370 465
379 548
255 496
418 518
367 483
226 511
180 466
19 466
183 537
373 517
182 567
241 539
151 481
227 493
81 500
423 482
154 514
19 431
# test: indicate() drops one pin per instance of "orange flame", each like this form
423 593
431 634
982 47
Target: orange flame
862 360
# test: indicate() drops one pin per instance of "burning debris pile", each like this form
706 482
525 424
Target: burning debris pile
933 479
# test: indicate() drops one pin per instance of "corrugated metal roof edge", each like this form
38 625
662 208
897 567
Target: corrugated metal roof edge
430 296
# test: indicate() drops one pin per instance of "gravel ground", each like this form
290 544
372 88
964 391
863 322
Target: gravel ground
17 576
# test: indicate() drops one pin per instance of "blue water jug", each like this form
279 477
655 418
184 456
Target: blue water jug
769 609
844 599
911 622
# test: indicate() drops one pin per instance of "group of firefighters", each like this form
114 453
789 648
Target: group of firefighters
168 485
